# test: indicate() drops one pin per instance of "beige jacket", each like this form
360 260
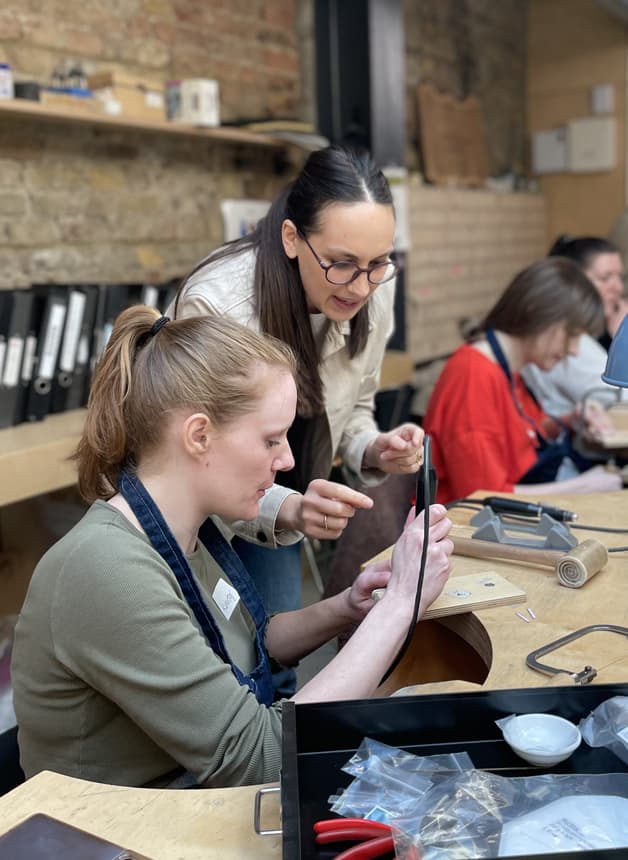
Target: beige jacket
226 287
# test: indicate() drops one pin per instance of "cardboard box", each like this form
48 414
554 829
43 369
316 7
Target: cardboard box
67 101
122 94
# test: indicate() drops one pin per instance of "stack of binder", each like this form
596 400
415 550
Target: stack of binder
51 337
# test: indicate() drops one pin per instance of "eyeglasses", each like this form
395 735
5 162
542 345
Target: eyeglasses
345 272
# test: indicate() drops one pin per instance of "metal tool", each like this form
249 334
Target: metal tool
588 673
374 838
572 568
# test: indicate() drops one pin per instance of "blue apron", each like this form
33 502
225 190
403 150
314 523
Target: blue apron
550 452
149 516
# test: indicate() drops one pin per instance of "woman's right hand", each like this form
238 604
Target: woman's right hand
406 559
323 511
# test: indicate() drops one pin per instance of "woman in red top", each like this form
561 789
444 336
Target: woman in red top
487 430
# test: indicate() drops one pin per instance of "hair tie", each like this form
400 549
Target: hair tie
158 324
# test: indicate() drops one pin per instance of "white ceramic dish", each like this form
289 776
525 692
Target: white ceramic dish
541 739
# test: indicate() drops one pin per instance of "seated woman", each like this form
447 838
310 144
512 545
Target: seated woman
487 430
561 390
142 656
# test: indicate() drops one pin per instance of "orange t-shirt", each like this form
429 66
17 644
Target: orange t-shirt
479 439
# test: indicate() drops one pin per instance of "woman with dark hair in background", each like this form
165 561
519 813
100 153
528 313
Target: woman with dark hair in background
317 274
562 389
142 654
487 431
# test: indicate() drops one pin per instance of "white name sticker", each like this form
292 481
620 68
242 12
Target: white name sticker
226 598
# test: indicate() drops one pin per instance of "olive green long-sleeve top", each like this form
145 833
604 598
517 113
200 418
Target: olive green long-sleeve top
113 679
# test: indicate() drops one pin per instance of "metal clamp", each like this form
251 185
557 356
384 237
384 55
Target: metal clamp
257 811
588 673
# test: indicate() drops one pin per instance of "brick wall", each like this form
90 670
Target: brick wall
466 246
79 203
82 203
471 47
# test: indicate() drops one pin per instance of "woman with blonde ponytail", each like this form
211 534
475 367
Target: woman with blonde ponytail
142 654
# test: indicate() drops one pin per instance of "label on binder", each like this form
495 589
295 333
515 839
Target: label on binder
28 361
13 359
52 339
76 308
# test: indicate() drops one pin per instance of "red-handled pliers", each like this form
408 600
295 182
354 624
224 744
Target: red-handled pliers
375 838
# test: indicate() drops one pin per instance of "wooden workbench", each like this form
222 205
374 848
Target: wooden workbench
503 640
218 823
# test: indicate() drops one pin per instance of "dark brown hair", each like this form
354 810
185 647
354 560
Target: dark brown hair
581 249
336 174
208 364
547 292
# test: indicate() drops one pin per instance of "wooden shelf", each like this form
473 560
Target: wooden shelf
34 456
17 108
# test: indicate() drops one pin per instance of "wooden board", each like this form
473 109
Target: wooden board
472 592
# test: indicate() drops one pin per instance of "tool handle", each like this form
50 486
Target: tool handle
489 549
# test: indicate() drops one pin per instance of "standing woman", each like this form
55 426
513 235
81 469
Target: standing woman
561 389
317 274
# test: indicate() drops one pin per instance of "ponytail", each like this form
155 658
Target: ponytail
150 370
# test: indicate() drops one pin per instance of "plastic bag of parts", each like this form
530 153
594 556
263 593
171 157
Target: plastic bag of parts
607 726
7 714
388 780
480 814
372 752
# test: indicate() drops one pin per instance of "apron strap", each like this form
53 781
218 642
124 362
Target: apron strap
152 521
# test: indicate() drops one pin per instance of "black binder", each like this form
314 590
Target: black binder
15 313
68 351
79 389
52 303
6 306
151 295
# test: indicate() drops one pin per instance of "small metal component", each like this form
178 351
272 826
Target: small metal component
522 616
588 673
531 613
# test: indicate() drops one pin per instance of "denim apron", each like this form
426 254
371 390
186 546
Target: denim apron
150 518
550 452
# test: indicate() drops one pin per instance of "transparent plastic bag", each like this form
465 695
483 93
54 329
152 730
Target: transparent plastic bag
372 750
480 814
389 780
364 799
607 726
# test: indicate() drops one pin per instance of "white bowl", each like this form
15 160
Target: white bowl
541 739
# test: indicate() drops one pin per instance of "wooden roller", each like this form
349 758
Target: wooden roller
573 568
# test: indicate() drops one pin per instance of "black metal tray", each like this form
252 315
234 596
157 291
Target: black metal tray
319 738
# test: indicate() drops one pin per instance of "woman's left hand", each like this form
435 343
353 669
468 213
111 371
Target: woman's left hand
399 451
360 594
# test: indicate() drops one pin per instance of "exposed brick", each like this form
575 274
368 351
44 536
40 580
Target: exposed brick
453 270
10 26
13 203
280 14
281 61
11 173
